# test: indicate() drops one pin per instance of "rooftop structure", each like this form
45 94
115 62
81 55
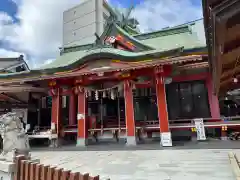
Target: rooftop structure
222 26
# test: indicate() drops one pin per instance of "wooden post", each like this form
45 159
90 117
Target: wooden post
72 109
81 118
129 113
166 139
56 116
212 99
214 104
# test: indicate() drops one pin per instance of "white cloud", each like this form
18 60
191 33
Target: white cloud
9 53
157 14
39 33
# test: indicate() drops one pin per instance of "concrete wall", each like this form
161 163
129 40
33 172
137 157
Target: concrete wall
81 22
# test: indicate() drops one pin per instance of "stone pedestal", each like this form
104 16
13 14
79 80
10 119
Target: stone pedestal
54 143
131 141
7 170
82 142
224 138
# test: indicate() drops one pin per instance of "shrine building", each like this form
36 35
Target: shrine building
112 81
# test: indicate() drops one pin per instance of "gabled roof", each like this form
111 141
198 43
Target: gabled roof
73 59
113 29
8 63
183 35
164 44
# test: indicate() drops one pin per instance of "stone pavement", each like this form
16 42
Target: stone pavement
165 164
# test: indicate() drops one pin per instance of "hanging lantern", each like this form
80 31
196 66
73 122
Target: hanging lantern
134 86
104 94
89 93
112 94
96 95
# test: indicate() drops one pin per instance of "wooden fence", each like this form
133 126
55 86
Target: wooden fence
30 170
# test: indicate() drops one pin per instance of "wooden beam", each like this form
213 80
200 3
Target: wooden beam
233 32
193 66
231 72
227 81
11 98
231 56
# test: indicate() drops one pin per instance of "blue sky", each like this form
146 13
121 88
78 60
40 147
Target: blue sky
8 6
36 32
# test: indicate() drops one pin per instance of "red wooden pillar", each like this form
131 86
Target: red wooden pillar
129 113
214 105
72 109
166 139
213 99
56 111
82 135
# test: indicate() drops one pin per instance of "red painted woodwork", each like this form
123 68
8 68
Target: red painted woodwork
191 77
82 121
72 109
92 122
162 104
212 99
56 110
129 110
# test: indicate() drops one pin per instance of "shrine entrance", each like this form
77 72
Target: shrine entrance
106 108
145 105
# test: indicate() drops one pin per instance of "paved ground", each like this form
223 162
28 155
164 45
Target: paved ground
118 163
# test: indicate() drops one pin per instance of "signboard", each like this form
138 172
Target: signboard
166 139
199 125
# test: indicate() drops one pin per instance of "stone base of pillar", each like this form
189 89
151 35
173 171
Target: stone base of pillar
224 138
194 137
166 139
54 143
224 135
131 141
82 142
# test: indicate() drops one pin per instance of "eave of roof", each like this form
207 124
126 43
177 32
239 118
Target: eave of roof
76 59
131 66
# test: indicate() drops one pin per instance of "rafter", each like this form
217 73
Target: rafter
233 32
231 56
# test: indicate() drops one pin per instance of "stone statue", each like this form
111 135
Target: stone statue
15 139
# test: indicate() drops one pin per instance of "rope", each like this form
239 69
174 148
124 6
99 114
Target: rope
118 86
